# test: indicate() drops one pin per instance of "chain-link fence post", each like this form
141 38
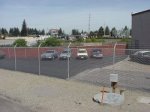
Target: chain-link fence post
15 57
25 52
39 59
114 56
68 64
8 53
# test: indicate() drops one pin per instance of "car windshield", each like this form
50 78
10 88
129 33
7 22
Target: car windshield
96 51
65 52
82 51
146 54
49 51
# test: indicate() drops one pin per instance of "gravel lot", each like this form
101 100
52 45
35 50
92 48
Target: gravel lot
45 94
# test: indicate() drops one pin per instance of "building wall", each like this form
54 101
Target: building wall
141 30
54 32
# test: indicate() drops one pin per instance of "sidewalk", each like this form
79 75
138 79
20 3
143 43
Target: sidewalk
45 94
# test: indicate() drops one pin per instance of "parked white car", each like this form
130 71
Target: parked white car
82 54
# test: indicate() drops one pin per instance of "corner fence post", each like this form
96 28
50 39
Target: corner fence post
39 59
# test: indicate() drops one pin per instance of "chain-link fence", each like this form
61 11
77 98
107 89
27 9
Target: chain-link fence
131 65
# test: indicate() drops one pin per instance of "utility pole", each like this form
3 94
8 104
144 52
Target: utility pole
89 25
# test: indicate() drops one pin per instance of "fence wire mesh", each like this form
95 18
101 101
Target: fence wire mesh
131 65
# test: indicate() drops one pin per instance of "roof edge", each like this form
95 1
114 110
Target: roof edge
141 12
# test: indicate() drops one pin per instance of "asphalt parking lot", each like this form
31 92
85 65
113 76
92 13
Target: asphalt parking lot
56 68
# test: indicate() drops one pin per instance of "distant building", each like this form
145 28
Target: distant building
54 32
84 35
71 37
141 29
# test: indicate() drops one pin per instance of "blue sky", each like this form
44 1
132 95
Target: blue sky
69 14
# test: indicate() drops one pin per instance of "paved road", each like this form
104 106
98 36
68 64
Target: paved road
131 75
10 106
82 70
127 79
56 68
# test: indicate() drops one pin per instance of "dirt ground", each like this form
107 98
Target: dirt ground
46 94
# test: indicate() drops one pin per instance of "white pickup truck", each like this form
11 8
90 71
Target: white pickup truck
82 54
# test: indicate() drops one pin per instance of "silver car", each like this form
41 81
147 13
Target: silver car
65 54
96 53
49 55
141 57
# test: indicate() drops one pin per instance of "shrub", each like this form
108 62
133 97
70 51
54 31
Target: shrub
88 40
101 40
93 40
20 43
80 40
51 42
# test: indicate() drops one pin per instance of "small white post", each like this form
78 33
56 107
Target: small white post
15 57
114 81
68 64
39 59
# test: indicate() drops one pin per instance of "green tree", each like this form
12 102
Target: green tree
92 34
75 32
10 32
20 43
101 31
60 32
24 30
107 31
4 31
126 32
82 32
130 32
114 32
14 32
43 32
80 39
